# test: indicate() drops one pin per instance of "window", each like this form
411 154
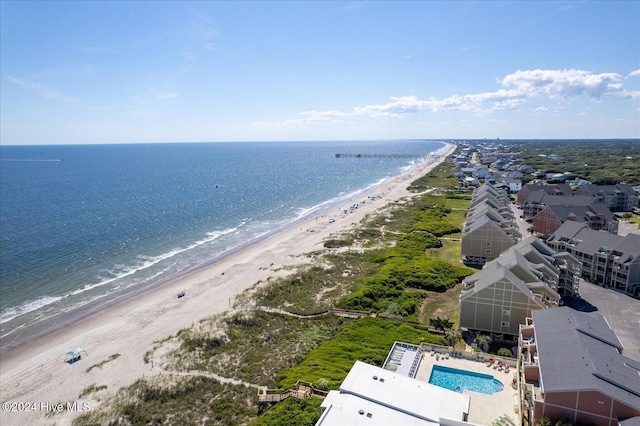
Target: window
506 312
504 323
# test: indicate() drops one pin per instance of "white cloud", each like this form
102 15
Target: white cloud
517 89
561 84
634 73
633 94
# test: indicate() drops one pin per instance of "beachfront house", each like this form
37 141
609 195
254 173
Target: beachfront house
571 367
372 395
527 277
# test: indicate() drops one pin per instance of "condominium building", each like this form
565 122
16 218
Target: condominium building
490 227
538 201
597 216
618 198
527 277
606 259
555 189
571 367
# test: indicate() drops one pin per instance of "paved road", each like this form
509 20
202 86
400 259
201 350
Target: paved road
522 225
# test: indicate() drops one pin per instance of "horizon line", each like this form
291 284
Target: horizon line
449 140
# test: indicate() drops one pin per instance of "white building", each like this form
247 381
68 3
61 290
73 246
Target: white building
372 395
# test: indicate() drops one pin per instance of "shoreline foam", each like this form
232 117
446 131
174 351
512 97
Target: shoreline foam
35 372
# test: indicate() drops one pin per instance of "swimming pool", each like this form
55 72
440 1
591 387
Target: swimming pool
461 380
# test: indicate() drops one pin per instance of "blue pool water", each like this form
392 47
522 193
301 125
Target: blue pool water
461 380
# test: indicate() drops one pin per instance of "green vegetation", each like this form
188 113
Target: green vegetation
443 304
317 288
441 324
406 265
504 352
634 219
291 411
602 162
367 339
338 242
402 264
179 401
439 177
252 346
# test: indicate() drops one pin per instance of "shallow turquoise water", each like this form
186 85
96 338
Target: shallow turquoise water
461 380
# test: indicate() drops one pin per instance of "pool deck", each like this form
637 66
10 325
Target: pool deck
496 409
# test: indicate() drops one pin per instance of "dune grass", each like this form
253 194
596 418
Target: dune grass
366 339
393 259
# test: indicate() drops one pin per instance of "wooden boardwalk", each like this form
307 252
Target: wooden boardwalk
300 390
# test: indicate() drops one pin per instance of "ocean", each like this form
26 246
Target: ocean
82 226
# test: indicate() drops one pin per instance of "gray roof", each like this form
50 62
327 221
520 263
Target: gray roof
507 228
579 351
486 190
561 188
569 230
494 272
589 241
580 212
595 189
558 200
522 265
498 215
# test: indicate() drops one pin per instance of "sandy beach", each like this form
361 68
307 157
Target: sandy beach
34 377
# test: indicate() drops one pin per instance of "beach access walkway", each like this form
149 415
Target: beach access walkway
300 390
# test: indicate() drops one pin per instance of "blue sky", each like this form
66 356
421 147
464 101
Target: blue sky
118 72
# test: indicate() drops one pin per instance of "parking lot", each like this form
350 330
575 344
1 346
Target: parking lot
621 311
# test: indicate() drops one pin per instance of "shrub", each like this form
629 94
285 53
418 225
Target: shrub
291 411
366 339
338 242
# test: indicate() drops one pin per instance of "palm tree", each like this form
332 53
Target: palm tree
453 335
484 340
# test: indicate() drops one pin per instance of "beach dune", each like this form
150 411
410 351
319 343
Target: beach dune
35 379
